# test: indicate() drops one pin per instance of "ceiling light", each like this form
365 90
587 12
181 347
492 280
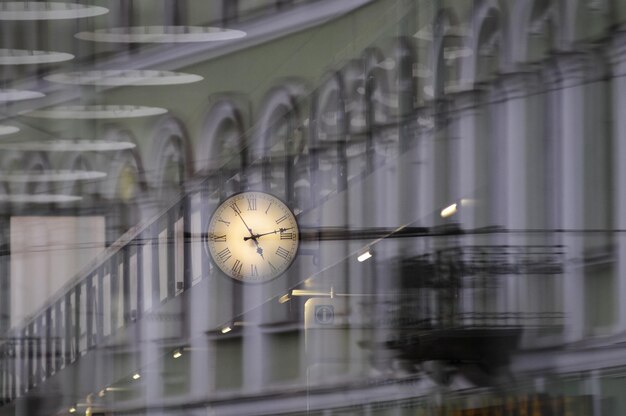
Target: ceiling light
226 330
364 255
19 95
136 376
284 298
160 34
96 112
5 130
50 176
124 77
177 354
448 211
102 393
39 198
72 410
25 57
68 146
39 10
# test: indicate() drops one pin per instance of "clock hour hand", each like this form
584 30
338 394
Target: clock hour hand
259 250
255 236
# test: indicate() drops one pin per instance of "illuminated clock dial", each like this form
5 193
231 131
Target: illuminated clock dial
253 237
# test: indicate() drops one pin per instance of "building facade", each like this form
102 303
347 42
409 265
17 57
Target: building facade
456 173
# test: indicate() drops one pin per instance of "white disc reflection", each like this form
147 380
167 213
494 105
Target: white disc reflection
39 198
19 95
50 176
96 112
68 146
161 34
124 77
38 10
6 130
26 57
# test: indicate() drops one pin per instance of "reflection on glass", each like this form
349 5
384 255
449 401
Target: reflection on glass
124 77
161 34
40 10
454 168
28 57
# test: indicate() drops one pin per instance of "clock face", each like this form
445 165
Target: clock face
253 237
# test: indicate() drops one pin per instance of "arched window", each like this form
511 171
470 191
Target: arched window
168 164
279 146
328 135
220 155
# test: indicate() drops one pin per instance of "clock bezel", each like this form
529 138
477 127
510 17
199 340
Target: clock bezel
215 263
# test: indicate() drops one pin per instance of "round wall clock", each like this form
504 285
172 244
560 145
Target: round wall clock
253 237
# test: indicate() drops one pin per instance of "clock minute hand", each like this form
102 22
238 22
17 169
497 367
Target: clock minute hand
255 236
247 228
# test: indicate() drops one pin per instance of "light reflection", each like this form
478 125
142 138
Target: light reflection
161 34
39 10
49 176
96 112
124 77
39 198
448 211
69 146
19 95
6 130
29 57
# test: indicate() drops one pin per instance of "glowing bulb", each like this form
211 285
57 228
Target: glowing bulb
136 376
72 410
364 256
177 354
284 298
448 211
226 329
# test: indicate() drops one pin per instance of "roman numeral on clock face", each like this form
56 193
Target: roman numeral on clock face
281 252
237 268
287 236
281 219
235 208
218 238
251 204
224 255
254 272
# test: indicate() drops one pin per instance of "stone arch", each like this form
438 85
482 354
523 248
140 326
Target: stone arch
115 167
278 102
170 156
222 137
31 162
447 50
535 28
585 19
279 140
377 90
488 43
404 56
74 161
328 134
